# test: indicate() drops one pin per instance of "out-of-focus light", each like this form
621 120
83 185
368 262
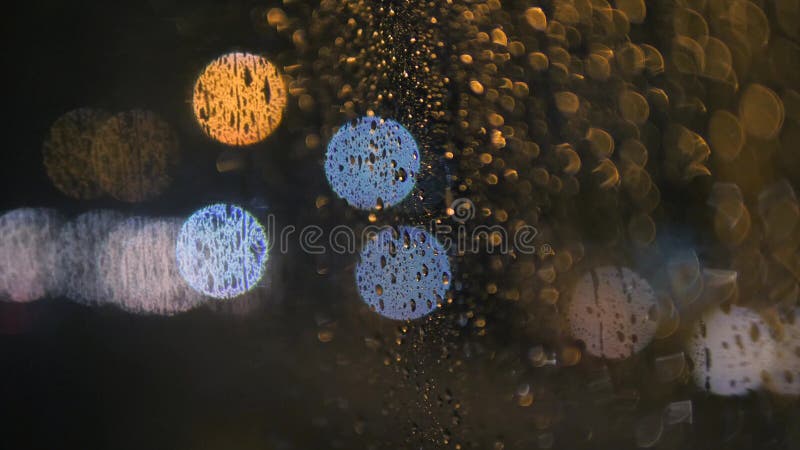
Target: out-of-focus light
222 251
133 153
239 99
403 275
139 270
730 350
28 253
783 377
372 163
614 311
67 152
80 242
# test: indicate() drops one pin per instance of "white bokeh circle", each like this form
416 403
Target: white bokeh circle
28 253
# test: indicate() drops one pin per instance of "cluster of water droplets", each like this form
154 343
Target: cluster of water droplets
403 274
372 163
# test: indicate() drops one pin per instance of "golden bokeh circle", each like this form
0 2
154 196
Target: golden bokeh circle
726 135
239 99
133 154
67 152
633 107
761 112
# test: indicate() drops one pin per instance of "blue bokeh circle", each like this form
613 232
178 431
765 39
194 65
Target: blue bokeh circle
403 274
222 251
372 163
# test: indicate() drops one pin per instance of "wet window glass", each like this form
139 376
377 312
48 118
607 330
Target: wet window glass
345 224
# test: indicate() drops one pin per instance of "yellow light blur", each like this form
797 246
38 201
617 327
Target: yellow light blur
239 99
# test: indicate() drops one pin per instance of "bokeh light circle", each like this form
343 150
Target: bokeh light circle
28 253
239 99
222 251
731 350
614 311
80 242
133 153
783 378
67 152
403 274
372 163
138 268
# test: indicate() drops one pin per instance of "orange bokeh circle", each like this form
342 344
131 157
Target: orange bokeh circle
239 99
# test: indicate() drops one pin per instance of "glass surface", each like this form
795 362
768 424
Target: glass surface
608 192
